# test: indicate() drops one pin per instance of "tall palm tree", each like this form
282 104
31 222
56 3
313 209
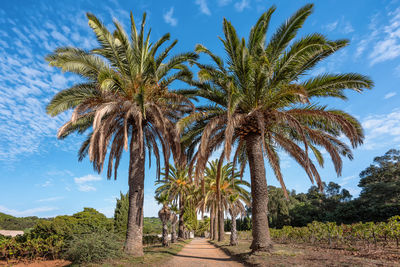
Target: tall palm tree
235 207
261 102
125 102
174 220
177 186
165 215
219 188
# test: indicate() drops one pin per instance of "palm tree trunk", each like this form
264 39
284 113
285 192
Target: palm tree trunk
173 230
221 230
233 241
259 194
165 234
181 226
215 222
134 234
211 223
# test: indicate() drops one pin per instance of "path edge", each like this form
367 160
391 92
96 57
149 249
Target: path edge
233 256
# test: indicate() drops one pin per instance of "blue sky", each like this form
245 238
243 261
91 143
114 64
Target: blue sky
40 175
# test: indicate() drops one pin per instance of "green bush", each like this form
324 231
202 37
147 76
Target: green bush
94 247
151 240
87 221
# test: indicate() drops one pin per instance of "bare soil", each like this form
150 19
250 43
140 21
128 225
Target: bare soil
307 255
200 252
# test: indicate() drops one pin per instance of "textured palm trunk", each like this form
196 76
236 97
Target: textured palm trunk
173 229
134 234
221 230
165 234
260 231
215 223
181 226
233 241
212 230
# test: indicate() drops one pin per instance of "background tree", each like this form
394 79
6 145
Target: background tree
262 102
380 182
177 186
125 101
165 215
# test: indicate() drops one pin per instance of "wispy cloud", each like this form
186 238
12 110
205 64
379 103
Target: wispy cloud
168 17
50 199
27 82
389 95
384 38
331 26
203 7
84 183
381 130
27 212
341 25
241 5
224 2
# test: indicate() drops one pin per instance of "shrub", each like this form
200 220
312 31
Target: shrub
151 240
94 247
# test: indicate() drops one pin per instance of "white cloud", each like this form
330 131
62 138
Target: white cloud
386 37
203 7
47 183
389 95
240 6
84 183
27 83
86 188
224 2
347 28
87 178
28 212
381 130
168 17
50 199
331 26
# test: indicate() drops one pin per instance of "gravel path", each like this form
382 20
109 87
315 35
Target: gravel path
200 253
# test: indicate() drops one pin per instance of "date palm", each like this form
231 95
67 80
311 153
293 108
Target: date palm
125 103
165 215
177 186
262 103
219 188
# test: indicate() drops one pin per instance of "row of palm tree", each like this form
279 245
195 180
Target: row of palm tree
224 193
258 103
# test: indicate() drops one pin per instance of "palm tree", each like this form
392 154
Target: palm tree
177 186
219 189
261 103
125 101
235 207
174 220
165 215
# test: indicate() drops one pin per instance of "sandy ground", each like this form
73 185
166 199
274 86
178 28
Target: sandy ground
200 253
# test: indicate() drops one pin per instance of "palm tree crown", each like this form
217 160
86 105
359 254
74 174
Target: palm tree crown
124 96
261 102
263 89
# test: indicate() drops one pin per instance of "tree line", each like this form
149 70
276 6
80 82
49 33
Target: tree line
258 102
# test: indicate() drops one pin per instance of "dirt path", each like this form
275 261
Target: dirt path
200 253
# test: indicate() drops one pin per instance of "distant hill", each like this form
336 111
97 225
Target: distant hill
8 222
152 225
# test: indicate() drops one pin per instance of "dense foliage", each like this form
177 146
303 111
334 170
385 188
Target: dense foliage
8 222
366 234
62 237
379 199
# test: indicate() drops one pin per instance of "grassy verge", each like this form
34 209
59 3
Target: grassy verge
154 255
301 255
